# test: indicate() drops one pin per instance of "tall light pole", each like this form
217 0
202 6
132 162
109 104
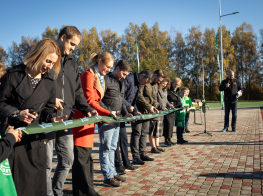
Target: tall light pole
221 42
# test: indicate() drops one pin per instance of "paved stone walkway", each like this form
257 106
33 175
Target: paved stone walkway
227 163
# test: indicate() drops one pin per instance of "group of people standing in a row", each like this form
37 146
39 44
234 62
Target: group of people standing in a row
47 87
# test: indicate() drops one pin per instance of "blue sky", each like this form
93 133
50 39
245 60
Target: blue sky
30 18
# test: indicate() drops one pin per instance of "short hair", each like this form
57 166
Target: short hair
184 89
2 69
69 31
159 73
124 66
166 79
34 59
230 71
176 81
187 89
105 57
147 73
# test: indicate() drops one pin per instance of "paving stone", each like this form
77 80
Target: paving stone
225 164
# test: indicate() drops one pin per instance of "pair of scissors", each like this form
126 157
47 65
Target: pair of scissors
64 105
32 111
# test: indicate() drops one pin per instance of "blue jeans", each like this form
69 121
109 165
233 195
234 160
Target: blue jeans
123 144
63 143
108 143
187 115
230 105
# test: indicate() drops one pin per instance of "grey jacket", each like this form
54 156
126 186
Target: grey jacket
162 100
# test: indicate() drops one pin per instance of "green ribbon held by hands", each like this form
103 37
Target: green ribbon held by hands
49 127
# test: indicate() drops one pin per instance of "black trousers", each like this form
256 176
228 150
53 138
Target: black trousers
139 135
179 133
230 105
82 172
123 144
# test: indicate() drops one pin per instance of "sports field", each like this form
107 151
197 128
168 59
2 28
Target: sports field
239 104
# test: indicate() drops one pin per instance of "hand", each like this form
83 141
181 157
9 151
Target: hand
227 85
128 115
16 132
114 113
92 113
58 104
137 113
59 119
131 109
155 110
182 107
26 117
113 116
151 111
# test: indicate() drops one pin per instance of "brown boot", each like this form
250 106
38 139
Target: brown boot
120 178
112 182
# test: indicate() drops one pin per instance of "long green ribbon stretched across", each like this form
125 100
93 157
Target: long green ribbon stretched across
48 127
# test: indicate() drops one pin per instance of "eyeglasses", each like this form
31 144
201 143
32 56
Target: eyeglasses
108 67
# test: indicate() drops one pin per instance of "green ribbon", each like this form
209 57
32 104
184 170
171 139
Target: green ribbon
48 127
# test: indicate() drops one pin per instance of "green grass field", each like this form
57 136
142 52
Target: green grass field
239 104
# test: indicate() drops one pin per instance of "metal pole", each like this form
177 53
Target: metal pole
222 73
203 79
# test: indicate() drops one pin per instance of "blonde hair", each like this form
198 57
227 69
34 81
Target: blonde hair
2 69
105 57
34 59
176 81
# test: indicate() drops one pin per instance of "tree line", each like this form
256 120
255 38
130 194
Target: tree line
185 56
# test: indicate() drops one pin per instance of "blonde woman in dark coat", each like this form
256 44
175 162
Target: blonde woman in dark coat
25 88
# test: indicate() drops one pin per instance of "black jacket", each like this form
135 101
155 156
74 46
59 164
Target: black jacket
68 87
132 87
113 99
230 92
6 146
174 98
17 93
28 157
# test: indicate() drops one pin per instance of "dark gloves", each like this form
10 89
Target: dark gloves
111 115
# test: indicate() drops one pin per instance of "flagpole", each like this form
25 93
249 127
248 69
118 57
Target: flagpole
138 62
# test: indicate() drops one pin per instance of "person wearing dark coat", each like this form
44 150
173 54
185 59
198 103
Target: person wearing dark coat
7 143
113 101
232 91
24 89
132 83
173 97
68 93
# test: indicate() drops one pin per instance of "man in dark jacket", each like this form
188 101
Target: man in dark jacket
68 93
113 101
232 91
146 103
132 84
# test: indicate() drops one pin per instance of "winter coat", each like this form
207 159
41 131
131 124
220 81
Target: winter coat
113 99
147 98
83 136
132 86
230 92
28 158
162 99
68 86
174 99
6 146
